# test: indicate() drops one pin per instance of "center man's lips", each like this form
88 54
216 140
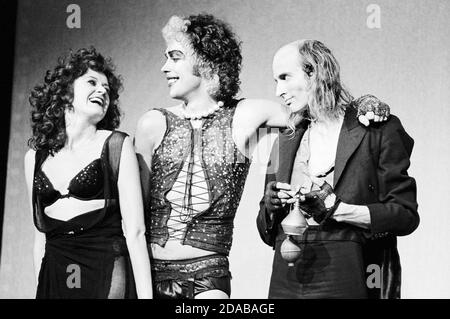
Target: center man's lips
172 79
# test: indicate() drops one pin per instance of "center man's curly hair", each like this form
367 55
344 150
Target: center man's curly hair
50 99
216 49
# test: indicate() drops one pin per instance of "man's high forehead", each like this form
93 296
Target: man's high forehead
287 51
287 57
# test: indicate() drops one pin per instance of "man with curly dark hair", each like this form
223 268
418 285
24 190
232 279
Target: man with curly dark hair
194 158
83 182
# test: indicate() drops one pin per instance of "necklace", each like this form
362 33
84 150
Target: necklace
200 115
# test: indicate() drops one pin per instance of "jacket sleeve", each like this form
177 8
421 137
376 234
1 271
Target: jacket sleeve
396 211
267 220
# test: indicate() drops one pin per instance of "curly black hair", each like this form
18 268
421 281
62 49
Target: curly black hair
50 99
217 48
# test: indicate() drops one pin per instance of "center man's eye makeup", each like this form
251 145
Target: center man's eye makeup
176 55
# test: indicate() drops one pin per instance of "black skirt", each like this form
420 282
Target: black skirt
92 264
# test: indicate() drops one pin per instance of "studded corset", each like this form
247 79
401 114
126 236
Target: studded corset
225 170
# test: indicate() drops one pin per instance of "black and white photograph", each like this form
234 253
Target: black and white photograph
225 150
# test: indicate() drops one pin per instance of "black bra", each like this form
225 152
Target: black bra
86 185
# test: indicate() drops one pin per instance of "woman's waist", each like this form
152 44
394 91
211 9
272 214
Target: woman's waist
76 245
66 209
78 233
107 219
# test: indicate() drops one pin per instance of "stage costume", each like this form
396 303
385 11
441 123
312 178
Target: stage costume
85 256
370 169
224 169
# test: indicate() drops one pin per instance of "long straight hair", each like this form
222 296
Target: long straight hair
328 97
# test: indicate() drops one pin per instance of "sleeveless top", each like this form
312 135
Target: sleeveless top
91 243
98 180
86 185
225 169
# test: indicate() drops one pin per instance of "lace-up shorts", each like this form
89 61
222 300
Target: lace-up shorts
184 279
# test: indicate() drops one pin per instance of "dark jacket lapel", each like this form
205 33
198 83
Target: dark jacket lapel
350 137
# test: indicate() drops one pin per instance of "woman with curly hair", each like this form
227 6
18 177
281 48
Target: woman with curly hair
83 181
195 158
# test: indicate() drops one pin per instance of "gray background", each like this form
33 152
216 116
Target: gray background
405 63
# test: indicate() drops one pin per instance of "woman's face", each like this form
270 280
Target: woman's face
292 81
179 71
91 95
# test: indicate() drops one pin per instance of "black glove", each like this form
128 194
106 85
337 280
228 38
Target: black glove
314 203
271 199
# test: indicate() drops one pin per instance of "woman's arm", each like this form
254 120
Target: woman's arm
39 238
131 206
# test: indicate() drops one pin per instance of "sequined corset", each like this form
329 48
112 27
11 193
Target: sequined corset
225 169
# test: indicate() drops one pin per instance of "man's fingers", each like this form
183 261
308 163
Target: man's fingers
280 201
290 201
292 193
370 115
283 186
283 194
275 201
363 119
272 185
377 118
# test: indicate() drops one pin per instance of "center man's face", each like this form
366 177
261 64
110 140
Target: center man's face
292 81
179 71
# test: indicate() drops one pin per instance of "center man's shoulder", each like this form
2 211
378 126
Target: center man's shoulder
152 120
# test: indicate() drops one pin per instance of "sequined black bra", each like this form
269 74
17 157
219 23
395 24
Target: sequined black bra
86 185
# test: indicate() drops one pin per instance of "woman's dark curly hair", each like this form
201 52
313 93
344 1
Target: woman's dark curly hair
50 99
217 50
